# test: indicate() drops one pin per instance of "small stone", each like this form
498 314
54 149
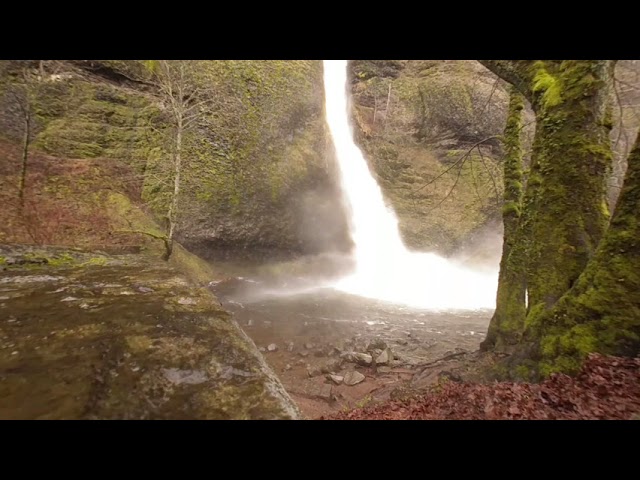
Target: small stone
250 323
402 342
290 347
313 371
286 368
337 379
145 289
272 347
385 357
472 333
186 301
384 369
308 346
14 352
68 299
262 349
300 362
332 366
304 354
376 344
325 393
357 357
353 378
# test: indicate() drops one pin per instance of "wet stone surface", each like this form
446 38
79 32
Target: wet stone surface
126 337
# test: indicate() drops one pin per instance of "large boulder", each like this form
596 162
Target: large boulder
124 337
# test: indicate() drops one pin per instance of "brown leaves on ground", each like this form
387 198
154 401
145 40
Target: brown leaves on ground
605 388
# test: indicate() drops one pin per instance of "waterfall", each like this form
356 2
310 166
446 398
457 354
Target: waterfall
384 268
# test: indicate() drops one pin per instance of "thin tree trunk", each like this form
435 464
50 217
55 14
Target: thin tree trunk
508 319
386 111
176 188
25 157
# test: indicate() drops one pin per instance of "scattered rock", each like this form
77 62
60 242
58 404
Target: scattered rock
309 346
313 371
332 366
337 379
385 357
290 347
262 349
402 342
357 357
300 362
376 344
319 353
190 377
186 301
272 347
384 369
250 323
286 368
145 289
453 377
353 378
14 353
325 393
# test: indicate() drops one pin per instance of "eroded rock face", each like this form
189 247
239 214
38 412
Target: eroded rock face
126 338
416 120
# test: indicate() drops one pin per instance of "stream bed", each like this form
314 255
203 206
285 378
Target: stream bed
307 334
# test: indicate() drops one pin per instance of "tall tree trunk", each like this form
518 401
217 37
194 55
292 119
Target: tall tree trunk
508 319
573 155
25 157
564 209
173 208
602 311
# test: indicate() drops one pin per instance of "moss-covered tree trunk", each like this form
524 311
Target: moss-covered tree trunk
508 319
564 210
573 155
602 311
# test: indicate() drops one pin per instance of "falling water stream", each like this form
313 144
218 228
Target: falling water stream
384 268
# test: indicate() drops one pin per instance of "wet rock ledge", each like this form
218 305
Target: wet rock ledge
87 335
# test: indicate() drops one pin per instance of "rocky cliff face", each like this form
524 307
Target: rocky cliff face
430 131
255 171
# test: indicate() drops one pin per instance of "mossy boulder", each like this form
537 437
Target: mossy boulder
127 337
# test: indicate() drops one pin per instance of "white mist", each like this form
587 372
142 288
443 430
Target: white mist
385 269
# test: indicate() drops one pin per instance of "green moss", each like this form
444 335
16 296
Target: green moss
61 260
95 261
3 260
198 270
523 372
548 85
507 323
